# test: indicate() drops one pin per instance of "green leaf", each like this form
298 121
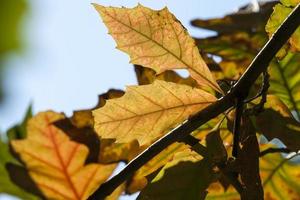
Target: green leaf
285 81
278 16
6 185
19 131
187 180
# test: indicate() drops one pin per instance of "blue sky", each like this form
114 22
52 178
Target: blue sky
70 58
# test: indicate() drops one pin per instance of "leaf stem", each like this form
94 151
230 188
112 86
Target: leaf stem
241 88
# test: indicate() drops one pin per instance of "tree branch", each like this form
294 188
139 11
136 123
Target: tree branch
240 90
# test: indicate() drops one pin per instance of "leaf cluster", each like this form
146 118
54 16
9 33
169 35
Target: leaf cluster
52 156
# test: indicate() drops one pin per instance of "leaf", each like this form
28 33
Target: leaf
156 39
245 20
6 185
19 131
276 121
187 180
84 118
111 152
285 81
146 76
290 2
84 135
147 112
55 163
139 180
278 16
281 177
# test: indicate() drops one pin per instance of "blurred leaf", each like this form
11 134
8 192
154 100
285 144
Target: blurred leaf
49 156
290 2
281 177
11 14
156 39
276 121
6 185
285 81
187 180
215 147
165 105
19 131
276 19
244 20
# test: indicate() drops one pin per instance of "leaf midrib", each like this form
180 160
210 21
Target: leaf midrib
152 112
167 50
288 89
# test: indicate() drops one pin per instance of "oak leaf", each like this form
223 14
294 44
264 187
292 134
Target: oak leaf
146 112
55 163
156 39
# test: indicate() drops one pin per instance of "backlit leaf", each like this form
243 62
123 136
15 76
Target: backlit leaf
146 112
281 177
55 163
285 81
6 185
276 19
156 39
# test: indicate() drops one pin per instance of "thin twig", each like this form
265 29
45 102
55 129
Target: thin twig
274 150
241 88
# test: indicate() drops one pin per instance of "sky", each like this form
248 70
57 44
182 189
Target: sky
69 59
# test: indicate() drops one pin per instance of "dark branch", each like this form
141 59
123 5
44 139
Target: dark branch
274 150
237 126
240 89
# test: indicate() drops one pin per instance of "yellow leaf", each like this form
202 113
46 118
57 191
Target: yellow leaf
55 163
280 176
146 112
156 39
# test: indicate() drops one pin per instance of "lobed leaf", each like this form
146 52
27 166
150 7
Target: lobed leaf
55 163
156 39
146 112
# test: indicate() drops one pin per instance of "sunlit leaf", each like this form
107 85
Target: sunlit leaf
276 19
281 177
290 2
146 112
55 163
285 81
156 39
6 185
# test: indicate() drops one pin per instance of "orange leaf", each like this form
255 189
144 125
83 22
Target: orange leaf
55 163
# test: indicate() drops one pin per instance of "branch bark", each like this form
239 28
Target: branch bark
239 90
